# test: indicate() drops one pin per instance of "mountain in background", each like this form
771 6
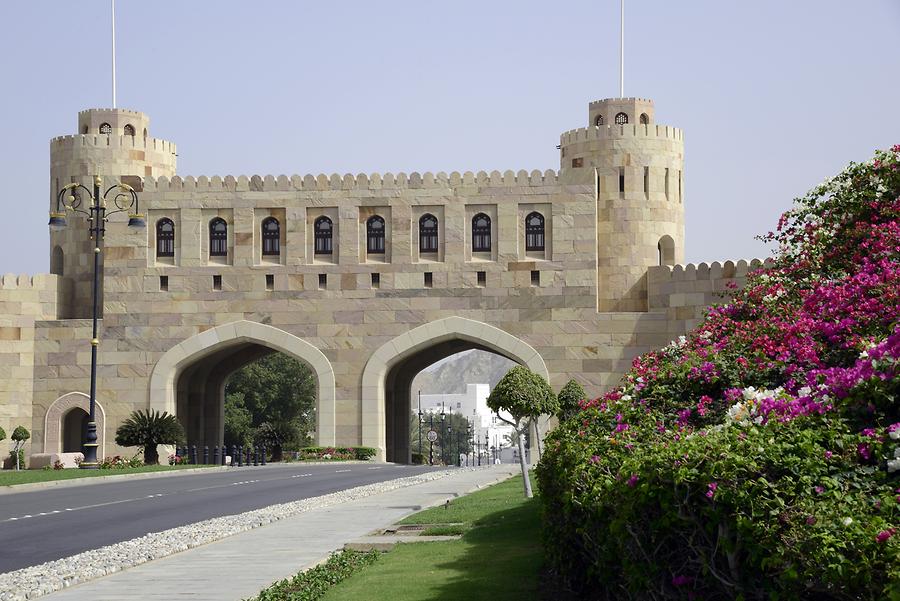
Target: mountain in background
451 375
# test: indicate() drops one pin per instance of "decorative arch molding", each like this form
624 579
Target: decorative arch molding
405 345
184 354
58 410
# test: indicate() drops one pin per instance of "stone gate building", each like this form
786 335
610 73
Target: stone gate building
366 278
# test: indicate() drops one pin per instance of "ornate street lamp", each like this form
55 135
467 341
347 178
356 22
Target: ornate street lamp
421 421
123 198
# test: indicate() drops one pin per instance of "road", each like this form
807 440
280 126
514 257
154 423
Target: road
49 524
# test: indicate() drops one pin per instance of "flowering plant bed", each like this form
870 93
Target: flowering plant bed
334 454
758 457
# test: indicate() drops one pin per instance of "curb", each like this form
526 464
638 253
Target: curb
10 489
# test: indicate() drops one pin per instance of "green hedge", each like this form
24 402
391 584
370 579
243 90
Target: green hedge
345 453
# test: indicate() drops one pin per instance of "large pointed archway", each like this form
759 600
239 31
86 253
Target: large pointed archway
193 374
388 375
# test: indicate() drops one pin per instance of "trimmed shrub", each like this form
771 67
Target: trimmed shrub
569 399
757 458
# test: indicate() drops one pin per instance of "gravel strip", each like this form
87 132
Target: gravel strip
35 581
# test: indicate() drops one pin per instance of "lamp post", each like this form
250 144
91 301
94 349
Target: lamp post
450 438
421 421
487 441
442 433
430 439
124 198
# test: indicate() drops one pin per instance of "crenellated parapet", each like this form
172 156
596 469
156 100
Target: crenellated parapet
685 291
611 132
375 181
115 142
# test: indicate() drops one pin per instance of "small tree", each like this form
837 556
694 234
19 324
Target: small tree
19 436
525 396
569 397
148 429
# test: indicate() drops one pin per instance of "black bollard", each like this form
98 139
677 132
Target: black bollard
233 455
205 455
216 455
264 454
249 456
255 456
240 456
193 454
224 453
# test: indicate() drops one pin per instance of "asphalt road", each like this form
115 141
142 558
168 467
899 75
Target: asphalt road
53 523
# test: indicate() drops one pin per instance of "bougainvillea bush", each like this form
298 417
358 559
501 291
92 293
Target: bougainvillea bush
758 457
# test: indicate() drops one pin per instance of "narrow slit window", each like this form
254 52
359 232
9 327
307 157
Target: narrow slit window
679 186
667 183
217 282
481 278
218 238
647 182
429 279
270 281
621 182
323 281
375 235
535 278
481 233
165 238
163 283
271 237
534 232
428 233
323 230
376 280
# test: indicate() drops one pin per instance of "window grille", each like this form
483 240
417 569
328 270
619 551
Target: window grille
481 233
105 128
375 235
271 237
621 119
323 232
428 233
165 238
534 232
218 238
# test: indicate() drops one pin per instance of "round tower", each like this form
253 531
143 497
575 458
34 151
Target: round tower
636 167
114 144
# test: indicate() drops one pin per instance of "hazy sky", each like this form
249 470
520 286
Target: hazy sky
773 95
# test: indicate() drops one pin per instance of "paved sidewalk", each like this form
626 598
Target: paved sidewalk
240 566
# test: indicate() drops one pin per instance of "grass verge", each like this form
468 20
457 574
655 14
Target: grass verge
12 477
499 556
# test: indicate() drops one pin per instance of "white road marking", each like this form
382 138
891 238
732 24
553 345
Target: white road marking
340 471
373 468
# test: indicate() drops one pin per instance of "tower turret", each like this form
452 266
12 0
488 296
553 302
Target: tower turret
114 144
636 167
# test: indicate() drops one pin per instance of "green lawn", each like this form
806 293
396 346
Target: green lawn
499 556
12 477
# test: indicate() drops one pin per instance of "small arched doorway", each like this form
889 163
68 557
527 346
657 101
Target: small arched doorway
74 428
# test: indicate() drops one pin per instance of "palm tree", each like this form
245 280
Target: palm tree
148 429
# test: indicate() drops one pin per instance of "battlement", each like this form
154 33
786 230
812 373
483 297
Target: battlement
375 181
632 130
42 281
117 110
598 103
109 141
704 271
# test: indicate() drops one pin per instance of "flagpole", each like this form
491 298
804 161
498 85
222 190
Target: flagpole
113 2
621 52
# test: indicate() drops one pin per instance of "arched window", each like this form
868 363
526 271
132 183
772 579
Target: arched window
645 119
218 238
323 231
428 233
165 238
145 132
84 130
481 233
666 249
129 130
105 128
621 119
375 235
57 261
598 120
534 232
271 237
